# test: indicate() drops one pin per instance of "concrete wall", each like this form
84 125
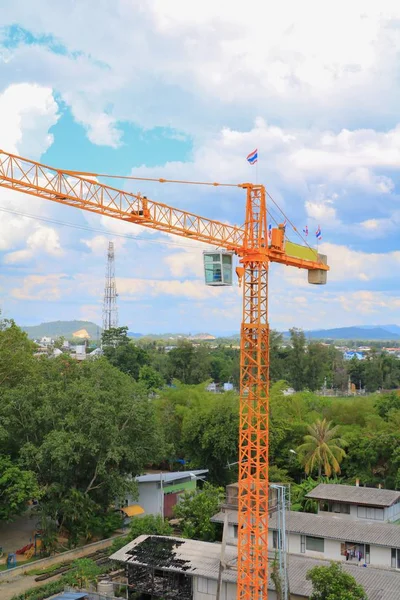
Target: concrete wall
380 557
150 498
206 589
392 513
150 495
352 515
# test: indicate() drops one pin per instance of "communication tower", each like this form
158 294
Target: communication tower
110 310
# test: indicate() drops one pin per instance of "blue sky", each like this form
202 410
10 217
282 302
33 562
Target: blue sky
158 89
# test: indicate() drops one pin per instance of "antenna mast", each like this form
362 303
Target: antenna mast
110 310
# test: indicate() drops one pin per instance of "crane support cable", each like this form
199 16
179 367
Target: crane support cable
155 179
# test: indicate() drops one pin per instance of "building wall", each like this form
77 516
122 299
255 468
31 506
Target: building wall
150 498
206 589
380 557
352 515
150 494
391 513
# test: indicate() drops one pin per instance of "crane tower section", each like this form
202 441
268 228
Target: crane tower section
110 310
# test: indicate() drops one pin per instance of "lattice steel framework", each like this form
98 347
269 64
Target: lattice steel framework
110 309
253 431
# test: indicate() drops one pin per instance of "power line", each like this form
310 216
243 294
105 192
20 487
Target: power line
102 231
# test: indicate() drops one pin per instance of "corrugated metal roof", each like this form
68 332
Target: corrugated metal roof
168 477
331 527
352 494
71 596
202 559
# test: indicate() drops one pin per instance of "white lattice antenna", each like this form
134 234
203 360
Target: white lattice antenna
110 310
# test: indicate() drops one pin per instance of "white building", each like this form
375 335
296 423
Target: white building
354 502
331 538
159 492
188 570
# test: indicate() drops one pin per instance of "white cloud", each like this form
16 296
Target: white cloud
39 287
43 239
27 111
219 57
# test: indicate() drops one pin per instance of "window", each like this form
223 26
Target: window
235 531
276 540
314 544
371 513
302 544
338 507
395 558
367 554
361 512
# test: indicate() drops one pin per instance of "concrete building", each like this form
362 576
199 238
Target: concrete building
188 570
354 502
331 538
159 492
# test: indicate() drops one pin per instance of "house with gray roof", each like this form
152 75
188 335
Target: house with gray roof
355 502
158 493
331 538
188 570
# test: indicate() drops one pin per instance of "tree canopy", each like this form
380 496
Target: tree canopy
333 583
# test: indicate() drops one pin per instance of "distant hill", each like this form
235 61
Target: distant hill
55 329
355 333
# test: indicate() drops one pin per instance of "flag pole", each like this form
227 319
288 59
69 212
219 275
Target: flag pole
257 170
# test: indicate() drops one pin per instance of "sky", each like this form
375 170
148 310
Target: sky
185 90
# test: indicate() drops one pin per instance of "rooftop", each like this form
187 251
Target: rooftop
202 559
352 494
169 477
331 527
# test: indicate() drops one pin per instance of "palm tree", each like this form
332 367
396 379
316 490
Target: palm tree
322 448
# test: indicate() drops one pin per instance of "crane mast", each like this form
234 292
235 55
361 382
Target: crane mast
253 428
251 244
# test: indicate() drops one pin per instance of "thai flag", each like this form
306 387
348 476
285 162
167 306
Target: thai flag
270 231
253 157
305 230
318 233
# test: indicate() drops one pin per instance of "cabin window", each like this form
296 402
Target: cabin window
314 544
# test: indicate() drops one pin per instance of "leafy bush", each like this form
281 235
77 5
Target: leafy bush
149 525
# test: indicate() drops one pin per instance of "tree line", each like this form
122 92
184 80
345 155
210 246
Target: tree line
74 434
303 365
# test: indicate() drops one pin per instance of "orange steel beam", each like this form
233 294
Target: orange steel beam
253 429
42 181
251 244
45 182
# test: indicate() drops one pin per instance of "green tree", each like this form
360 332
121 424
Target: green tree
84 571
150 378
297 359
333 583
149 525
16 354
123 353
189 364
86 429
196 509
322 448
317 365
17 487
385 403
210 434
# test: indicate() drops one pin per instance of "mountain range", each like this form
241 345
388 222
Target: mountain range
359 332
66 329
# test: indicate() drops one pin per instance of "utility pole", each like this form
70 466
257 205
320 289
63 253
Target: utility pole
110 311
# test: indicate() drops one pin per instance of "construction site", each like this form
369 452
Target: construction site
256 245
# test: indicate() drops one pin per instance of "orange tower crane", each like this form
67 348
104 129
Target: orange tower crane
251 244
